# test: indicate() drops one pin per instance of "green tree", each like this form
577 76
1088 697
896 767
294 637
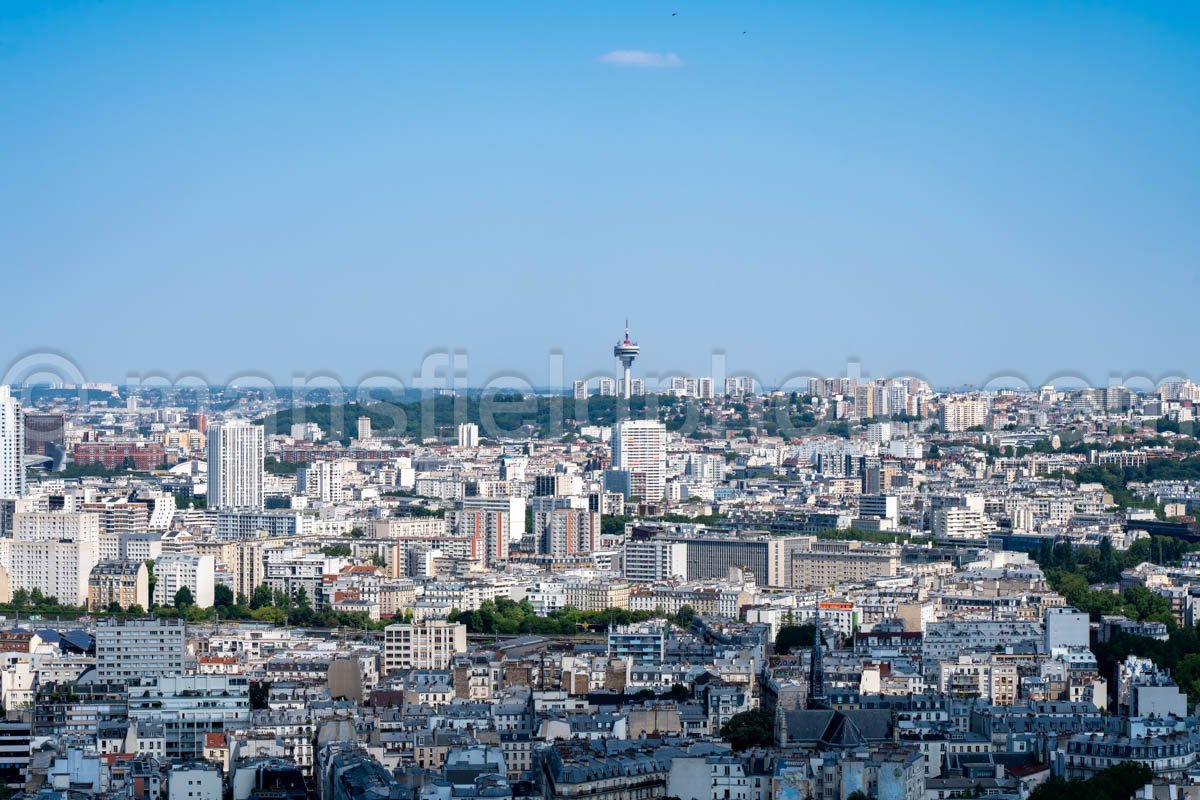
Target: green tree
261 597
183 598
685 616
20 598
151 579
260 695
754 728
222 596
36 598
793 637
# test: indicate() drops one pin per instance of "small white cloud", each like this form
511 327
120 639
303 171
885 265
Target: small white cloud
641 58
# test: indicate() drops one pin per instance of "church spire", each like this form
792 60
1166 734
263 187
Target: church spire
816 674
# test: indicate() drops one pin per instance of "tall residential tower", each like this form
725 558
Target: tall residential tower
235 466
12 445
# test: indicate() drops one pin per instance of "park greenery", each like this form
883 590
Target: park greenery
507 617
1072 572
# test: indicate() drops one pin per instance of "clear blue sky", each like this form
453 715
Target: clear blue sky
950 188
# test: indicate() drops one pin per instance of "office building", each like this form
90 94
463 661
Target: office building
45 434
235 466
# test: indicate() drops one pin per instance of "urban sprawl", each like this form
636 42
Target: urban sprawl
856 588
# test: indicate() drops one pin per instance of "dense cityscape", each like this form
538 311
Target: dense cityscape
622 400
705 590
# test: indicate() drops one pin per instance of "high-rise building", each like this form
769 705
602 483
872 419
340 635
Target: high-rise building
468 435
579 390
322 480
45 434
639 448
235 466
489 523
564 526
705 388
607 387
364 428
12 445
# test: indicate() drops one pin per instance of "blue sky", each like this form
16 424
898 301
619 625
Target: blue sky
953 189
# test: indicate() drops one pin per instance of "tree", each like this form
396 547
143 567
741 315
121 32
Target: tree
20 598
1117 782
261 597
36 598
151 579
754 728
222 596
793 637
356 532
685 616
114 607
260 695
136 610
183 598
301 599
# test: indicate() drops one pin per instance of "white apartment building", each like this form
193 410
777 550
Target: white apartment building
959 414
54 552
12 445
137 648
468 435
235 466
196 573
191 706
649 560
957 522
431 644
322 480
639 449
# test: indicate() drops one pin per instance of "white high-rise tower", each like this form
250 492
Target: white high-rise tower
626 351
639 448
235 466
12 445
